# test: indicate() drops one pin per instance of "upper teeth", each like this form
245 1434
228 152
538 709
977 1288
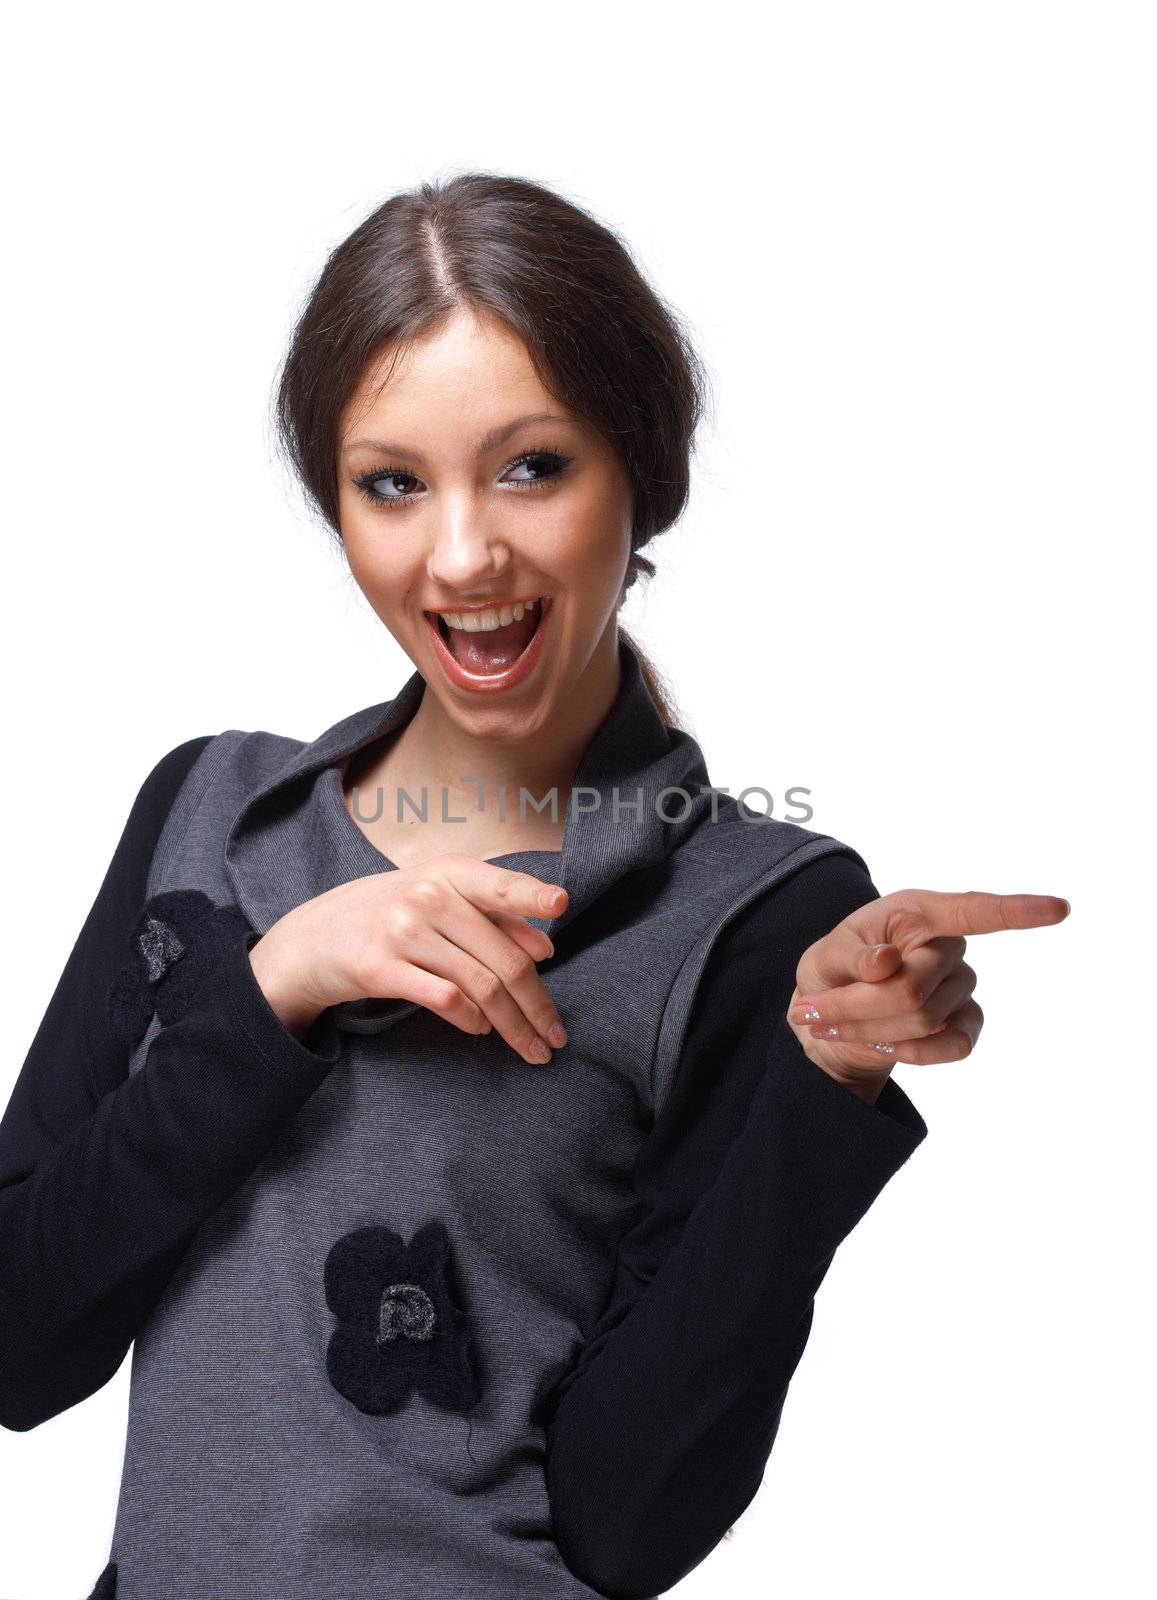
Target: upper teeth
486 621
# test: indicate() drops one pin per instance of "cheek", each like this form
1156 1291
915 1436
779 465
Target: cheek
590 548
376 563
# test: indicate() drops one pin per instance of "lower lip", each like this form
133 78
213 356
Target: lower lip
493 682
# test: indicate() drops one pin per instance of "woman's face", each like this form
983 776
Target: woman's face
451 501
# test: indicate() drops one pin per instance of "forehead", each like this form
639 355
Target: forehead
460 372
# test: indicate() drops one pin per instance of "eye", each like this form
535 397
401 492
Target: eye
368 483
546 466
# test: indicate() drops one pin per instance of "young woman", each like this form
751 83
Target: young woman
458 1112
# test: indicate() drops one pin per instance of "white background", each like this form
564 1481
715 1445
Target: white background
915 243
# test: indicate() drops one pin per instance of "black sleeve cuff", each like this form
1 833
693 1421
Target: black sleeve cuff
319 1047
893 1122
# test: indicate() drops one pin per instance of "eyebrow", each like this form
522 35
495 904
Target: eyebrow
489 441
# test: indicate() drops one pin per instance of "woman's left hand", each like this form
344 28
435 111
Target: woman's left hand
890 982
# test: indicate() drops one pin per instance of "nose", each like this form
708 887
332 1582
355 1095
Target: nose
465 554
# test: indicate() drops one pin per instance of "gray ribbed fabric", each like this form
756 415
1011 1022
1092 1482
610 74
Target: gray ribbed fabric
247 1475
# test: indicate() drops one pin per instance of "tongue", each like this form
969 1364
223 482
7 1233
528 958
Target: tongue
494 651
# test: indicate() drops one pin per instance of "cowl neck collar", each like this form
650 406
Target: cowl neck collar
616 819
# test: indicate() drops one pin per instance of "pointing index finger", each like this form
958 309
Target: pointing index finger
977 912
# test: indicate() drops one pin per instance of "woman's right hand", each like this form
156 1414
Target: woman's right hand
450 933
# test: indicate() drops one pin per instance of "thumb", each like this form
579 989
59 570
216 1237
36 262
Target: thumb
879 961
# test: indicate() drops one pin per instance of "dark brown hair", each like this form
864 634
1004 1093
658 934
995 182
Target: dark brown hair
601 340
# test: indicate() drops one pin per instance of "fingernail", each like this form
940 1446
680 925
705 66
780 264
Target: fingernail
885 1049
548 897
804 1013
825 1033
540 1050
556 1033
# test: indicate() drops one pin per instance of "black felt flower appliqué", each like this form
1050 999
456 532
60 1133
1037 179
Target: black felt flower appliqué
175 942
400 1324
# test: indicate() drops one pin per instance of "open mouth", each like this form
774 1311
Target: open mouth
490 651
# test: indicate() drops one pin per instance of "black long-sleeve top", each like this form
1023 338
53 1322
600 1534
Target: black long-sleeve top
755 1169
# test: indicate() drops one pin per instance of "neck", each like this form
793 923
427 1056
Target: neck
433 754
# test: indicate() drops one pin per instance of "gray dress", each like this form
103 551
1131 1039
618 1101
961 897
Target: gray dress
341 1391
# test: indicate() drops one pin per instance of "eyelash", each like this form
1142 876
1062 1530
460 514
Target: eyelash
364 484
